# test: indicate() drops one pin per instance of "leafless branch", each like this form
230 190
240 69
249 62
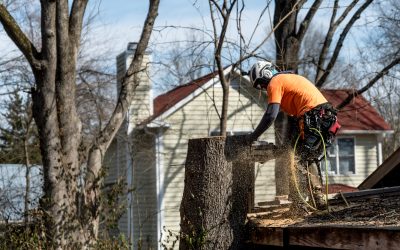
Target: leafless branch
76 21
339 43
127 86
18 36
333 25
378 76
307 20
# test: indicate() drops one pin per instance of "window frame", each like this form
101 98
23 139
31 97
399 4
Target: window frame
336 172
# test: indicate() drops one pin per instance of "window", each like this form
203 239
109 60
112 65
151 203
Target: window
341 157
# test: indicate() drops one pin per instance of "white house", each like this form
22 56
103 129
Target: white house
150 151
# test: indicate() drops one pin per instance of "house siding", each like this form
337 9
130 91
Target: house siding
198 118
144 190
116 162
139 221
366 160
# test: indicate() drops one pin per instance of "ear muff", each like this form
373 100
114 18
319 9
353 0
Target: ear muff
267 73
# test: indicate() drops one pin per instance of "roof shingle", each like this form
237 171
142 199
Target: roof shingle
358 115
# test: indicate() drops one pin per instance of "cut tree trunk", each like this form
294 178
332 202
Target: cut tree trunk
216 195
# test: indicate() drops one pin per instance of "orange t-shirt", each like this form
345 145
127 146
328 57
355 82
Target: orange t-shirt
295 94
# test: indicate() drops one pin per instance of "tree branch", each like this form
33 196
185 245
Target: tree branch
383 72
75 23
217 7
333 25
307 20
63 46
339 43
327 42
345 12
225 14
295 7
128 84
19 38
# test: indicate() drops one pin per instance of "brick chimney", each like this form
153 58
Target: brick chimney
142 103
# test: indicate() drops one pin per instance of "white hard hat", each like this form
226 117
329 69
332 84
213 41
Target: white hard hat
261 73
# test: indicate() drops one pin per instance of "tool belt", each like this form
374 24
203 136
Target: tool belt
322 119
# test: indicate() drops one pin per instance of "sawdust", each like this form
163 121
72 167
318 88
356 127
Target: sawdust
276 216
376 212
299 205
380 211
372 212
299 192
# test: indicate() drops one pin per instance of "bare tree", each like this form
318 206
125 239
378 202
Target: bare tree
385 95
289 35
72 214
222 14
183 62
288 39
386 99
229 51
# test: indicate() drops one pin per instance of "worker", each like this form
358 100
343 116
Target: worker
306 107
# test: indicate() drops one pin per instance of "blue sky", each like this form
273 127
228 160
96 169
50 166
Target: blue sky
121 20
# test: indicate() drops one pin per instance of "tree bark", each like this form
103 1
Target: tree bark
287 44
215 199
72 211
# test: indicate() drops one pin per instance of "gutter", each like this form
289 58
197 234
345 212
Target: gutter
369 132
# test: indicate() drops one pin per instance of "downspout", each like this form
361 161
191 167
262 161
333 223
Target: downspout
129 170
160 183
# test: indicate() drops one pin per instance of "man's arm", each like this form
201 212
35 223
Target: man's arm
266 121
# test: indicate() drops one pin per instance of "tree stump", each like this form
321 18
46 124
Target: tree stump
215 198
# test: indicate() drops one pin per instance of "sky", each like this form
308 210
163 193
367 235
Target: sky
118 22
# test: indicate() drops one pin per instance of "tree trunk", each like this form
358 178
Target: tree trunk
71 209
286 40
287 50
215 199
